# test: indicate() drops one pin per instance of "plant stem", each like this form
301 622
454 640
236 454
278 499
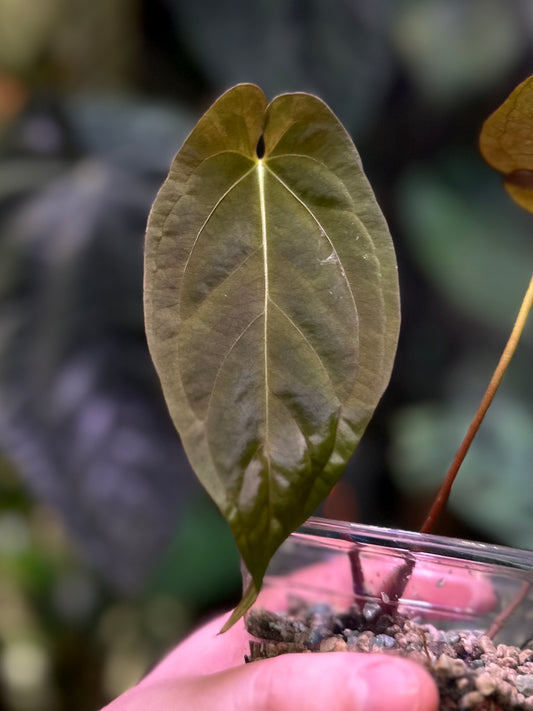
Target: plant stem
494 384
508 610
358 576
395 584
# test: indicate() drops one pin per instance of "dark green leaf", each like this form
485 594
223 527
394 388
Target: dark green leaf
271 304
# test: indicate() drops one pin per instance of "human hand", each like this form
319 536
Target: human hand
206 672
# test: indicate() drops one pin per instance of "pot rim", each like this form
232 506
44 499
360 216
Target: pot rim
415 542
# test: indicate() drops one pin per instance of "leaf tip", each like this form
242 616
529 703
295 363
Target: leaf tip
248 599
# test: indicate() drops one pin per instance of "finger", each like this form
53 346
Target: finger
343 681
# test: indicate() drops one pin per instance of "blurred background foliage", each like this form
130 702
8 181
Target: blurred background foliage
109 551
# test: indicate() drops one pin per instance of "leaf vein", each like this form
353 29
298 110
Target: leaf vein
322 231
224 359
208 218
224 280
299 155
306 339
187 181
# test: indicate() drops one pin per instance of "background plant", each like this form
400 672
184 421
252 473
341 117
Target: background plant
505 142
117 87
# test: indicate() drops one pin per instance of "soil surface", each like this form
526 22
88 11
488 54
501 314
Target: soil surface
471 671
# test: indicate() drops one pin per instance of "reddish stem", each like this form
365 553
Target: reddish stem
508 610
444 492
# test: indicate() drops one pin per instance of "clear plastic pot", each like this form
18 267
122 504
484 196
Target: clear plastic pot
446 582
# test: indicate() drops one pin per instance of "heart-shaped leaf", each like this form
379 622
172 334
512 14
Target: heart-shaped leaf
506 143
271 306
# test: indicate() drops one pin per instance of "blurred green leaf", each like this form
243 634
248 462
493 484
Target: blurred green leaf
467 237
201 565
337 50
271 304
25 28
452 48
126 131
493 490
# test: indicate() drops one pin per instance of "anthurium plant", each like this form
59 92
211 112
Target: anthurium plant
272 306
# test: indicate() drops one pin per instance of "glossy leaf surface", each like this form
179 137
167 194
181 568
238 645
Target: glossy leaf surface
506 143
271 306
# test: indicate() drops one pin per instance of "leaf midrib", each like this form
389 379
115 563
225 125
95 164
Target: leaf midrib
261 167
264 242
323 231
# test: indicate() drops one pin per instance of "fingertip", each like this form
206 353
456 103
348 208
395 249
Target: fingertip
345 681
396 683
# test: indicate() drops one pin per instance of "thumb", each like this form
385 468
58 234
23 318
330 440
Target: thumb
345 681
